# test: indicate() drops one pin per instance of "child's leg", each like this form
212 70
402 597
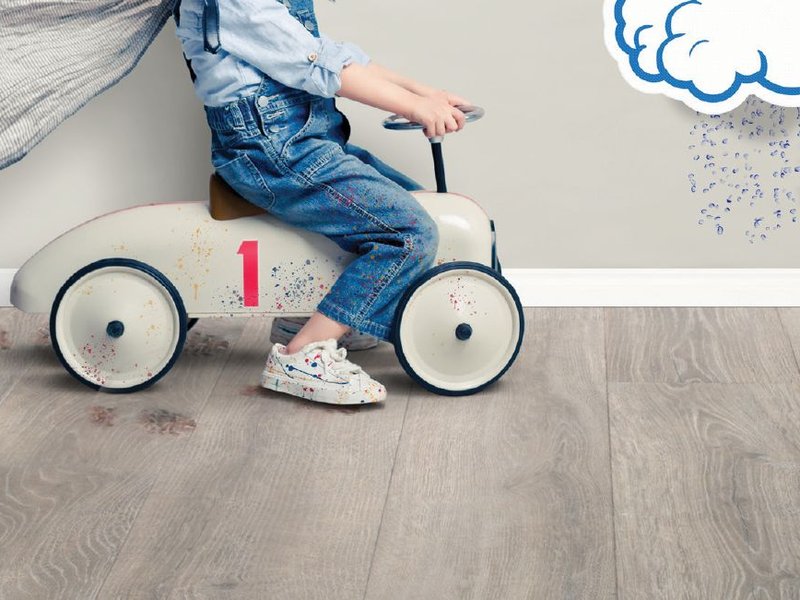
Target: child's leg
291 162
370 159
285 328
318 327
366 214
395 239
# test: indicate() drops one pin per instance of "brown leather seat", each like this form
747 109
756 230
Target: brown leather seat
225 204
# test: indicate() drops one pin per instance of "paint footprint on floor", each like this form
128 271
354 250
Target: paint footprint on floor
101 415
155 420
163 421
252 390
204 344
42 336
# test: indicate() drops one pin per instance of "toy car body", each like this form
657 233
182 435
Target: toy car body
207 260
123 289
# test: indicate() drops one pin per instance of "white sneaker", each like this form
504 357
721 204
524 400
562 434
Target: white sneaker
320 372
284 329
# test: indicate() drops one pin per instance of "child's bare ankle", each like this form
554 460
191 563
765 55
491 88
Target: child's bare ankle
297 343
292 347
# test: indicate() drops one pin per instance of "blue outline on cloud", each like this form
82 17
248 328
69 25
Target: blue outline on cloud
710 54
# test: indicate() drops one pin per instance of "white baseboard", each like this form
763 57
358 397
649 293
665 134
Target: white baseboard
6 275
631 287
656 287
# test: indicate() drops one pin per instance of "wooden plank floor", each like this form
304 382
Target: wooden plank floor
629 453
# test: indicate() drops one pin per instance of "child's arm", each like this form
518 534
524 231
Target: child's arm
266 35
415 86
366 85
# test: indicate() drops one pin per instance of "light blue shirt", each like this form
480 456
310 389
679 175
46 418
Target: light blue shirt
259 37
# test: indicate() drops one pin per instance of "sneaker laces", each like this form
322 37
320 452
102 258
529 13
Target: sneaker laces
339 363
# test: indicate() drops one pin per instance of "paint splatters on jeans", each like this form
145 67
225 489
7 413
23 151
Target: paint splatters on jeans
159 420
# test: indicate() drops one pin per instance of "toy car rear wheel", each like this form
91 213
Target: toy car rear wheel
458 328
118 325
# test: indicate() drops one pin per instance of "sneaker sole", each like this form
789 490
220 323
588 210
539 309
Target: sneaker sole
280 383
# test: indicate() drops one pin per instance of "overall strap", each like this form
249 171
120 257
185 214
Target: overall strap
176 13
210 29
210 26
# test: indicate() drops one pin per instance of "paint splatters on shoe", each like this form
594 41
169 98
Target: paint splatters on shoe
101 415
5 341
163 421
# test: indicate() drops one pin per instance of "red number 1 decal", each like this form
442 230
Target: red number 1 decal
249 252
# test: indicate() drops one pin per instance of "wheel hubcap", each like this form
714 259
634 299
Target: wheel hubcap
115 329
463 331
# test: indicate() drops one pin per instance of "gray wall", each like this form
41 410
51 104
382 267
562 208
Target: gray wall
576 168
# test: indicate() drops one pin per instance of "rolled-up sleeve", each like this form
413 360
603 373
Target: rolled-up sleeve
264 34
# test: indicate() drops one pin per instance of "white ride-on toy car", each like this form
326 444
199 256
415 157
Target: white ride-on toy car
123 289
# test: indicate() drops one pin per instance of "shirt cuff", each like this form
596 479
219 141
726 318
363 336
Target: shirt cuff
332 57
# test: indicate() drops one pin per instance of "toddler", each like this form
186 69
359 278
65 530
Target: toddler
267 78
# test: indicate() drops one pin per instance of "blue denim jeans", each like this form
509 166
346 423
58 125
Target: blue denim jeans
289 153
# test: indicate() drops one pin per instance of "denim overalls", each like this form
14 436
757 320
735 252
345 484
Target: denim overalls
287 151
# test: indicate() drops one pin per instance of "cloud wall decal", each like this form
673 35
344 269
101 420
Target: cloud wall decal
710 54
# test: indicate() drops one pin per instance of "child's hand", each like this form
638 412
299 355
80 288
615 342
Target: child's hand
443 95
377 86
437 115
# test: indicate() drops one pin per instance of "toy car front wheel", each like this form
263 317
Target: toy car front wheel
458 328
118 325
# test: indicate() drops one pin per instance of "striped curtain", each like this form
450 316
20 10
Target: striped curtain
55 56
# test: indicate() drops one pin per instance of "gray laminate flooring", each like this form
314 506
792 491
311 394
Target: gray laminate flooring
628 453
